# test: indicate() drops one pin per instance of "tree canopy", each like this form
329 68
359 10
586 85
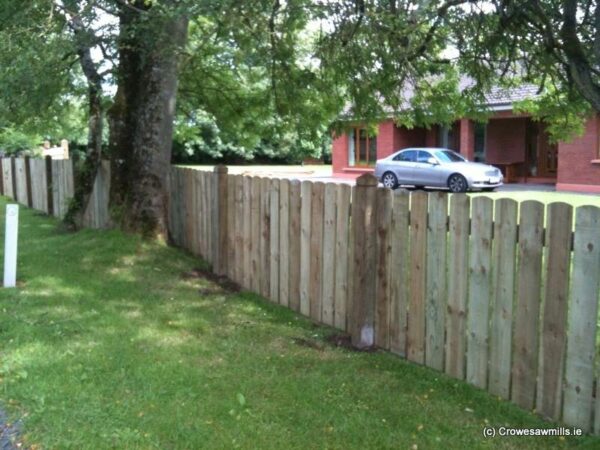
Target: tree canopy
273 76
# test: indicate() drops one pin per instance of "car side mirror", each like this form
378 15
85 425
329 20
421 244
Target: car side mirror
431 160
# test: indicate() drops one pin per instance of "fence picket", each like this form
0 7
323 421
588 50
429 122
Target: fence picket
305 216
556 294
294 245
399 267
480 260
274 237
364 214
21 181
195 213
265 249
211 213
187 208
383 221
39 184
316 250
457 285
240 221
341 255
246 232
284 242
7 178
328 273
202 213
503 264
415 335
436 293
524 367
255 232
582 319
175 201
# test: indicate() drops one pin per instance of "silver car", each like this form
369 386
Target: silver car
436 167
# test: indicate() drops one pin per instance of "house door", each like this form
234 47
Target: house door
541 156
547 156
365 148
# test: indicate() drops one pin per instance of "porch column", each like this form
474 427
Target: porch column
339 152
467 139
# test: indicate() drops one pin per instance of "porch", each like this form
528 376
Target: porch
514 143
517 145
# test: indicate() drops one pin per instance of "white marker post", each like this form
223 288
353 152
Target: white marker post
10 245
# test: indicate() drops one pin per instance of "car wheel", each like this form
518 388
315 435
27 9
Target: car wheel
389 180
457 183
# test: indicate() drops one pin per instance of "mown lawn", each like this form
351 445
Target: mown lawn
106 345
572 198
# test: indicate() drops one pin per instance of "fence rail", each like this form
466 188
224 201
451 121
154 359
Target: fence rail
500 294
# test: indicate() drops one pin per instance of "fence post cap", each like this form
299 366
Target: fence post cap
220 168
367 179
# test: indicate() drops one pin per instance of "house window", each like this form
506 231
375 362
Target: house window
446 137
362 148
480 134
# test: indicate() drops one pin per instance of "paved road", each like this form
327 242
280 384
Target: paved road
8 433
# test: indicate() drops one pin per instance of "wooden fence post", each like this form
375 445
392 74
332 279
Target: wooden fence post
28 181
365 256
49 185
220 228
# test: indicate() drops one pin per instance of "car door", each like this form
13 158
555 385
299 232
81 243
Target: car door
404 164
426 174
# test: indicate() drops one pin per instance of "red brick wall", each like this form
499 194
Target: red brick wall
339 152
392 138
431 137
386 139
467 139
410 138
574 157
505 141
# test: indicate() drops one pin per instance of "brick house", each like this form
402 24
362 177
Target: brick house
513 142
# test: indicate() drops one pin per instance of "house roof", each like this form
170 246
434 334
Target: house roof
498 97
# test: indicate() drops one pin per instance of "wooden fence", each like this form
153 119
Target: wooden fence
47 185
500 294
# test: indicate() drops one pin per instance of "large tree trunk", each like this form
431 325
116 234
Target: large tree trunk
86 175
141 119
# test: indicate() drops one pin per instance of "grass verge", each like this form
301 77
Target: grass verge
105 345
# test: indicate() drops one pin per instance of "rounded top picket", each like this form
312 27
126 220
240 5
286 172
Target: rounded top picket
367 179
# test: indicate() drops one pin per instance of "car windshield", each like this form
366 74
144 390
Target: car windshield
448 157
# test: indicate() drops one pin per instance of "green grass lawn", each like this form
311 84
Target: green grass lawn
571 198
105 345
